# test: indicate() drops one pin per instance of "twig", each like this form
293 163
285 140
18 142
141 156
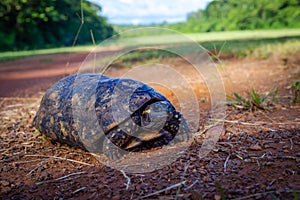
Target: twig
35 168
80 27
271 183
254 195
11 158
221 49
292 144
60 158
61 178
228 143
18 98
160 191
92 36
260 123
128 179
226 161
258 164
28 161
263 193
238 156
182 179
267 116
190 186
81 18
287 157
78 190
206 129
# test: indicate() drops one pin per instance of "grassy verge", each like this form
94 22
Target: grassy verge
261 48
244 35
11 55
258 49
259 44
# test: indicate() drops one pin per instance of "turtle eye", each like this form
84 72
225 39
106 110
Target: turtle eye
154 116
145 112
146 115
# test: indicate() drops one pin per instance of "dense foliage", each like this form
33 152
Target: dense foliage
224 15
32 24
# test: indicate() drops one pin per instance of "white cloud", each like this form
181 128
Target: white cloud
150 11
127 1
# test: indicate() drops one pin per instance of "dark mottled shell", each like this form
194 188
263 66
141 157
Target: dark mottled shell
57 119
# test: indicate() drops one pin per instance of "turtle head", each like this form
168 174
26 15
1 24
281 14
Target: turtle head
155 115
162 115
158 120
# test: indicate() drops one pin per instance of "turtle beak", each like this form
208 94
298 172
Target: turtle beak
143 137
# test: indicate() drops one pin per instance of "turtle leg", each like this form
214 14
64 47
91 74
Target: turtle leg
177 126
165 138
113 142
184 133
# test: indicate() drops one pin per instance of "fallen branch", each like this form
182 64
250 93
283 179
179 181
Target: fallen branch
18 98
292 144
287 157
28 161
160 191
263 193
60 158
254 195
11 158
78 190
182 179
35 168
128 179
61 178
198 134
226 161
228 143
190 186
259 123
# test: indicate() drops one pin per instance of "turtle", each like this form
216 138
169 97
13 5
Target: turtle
108 115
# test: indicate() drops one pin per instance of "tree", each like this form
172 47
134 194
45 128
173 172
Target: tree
32 24
225 15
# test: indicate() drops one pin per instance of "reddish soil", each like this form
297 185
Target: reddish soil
257 156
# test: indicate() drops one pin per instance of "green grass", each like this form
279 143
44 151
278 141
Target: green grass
260 43
22 54
254 100
141 55
260 49
296 91
244 35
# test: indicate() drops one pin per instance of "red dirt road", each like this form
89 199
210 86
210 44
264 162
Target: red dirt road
27 77
257 156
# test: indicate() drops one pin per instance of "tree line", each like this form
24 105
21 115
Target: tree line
34 24
226 15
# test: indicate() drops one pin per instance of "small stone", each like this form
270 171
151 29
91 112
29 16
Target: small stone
255 147
4 183
117 197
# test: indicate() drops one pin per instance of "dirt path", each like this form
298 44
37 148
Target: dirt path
256 157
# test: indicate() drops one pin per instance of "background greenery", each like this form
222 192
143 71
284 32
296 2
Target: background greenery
34 24
229 15
225 15
38 24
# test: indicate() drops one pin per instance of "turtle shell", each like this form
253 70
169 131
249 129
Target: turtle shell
80 110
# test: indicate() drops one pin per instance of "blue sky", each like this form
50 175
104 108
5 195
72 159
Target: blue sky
150 11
